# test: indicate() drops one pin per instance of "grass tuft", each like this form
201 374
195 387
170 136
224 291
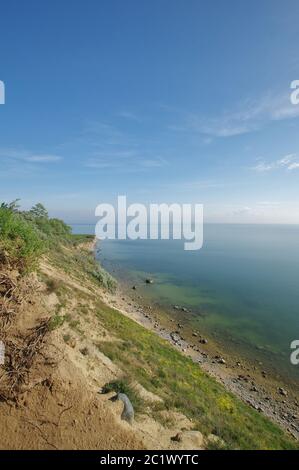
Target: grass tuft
184 387
124 385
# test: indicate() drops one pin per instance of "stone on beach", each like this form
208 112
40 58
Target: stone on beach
203 341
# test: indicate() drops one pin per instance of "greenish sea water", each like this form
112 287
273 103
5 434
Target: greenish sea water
243 284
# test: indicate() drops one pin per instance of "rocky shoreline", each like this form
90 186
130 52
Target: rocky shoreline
249 381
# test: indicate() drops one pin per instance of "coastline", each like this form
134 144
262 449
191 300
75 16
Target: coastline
81 352
251 381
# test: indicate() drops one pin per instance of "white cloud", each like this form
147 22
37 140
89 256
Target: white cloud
260 167
42 158
249 116
285 162
287 159
293 166
27 156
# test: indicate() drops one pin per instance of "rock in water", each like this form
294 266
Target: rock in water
128 411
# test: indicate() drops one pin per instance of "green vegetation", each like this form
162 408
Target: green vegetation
20 242
26 235
78 263
78 239
183 386
143 355
125 386
56 322
104 278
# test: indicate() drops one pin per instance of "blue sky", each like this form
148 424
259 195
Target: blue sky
161 100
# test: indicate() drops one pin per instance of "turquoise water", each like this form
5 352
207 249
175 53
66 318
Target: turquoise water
243 283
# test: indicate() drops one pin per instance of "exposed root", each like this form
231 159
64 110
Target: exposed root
19 361
7 315
14 291
7 290
7 286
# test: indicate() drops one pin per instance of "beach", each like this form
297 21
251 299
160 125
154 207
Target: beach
252 381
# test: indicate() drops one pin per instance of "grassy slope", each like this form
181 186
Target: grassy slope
160 368
184 386
142 354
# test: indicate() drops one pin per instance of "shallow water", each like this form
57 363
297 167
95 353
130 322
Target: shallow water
242 284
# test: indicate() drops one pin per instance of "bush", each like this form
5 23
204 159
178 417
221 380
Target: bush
104 279
20 243
124 385
24 236
53 229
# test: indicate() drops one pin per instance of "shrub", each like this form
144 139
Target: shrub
124 386
20 243
104 279
53 228
24 236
